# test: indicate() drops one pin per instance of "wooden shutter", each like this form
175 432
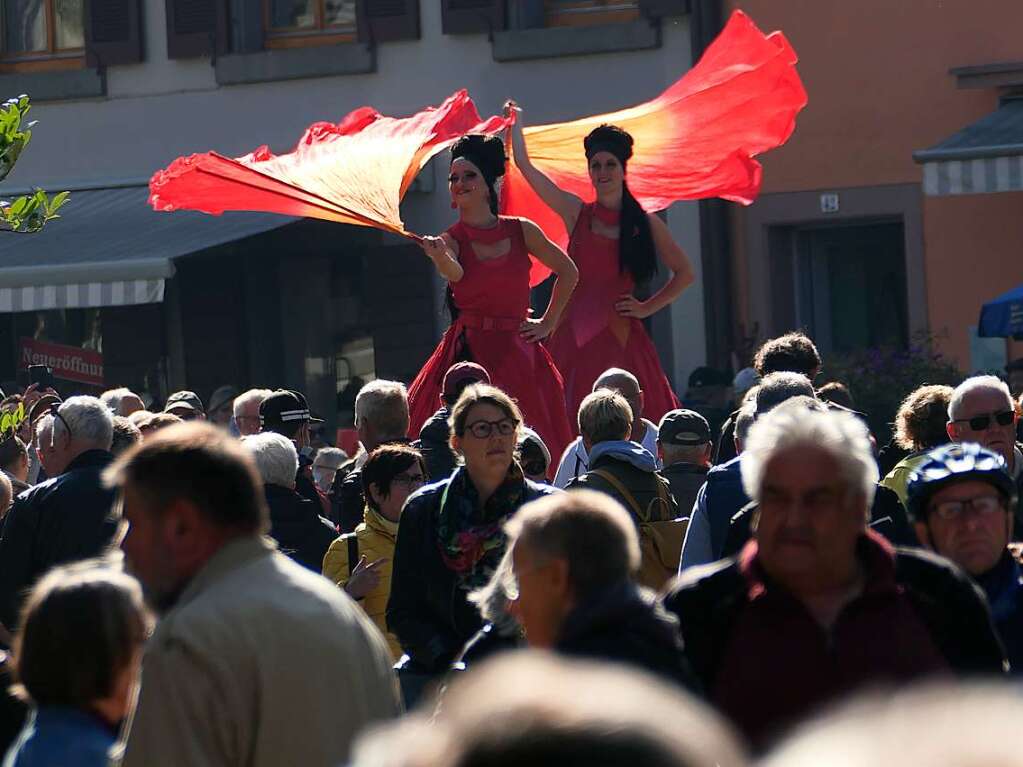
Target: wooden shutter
383 20
113 32
196 28
655 9
461 17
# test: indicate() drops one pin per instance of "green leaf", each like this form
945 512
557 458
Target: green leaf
30 213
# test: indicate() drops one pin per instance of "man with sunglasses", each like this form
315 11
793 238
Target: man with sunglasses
961 501
982 411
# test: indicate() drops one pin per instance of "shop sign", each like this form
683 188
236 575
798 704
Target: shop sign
70 363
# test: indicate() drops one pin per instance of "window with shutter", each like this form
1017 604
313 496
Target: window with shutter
42 35
656 9
196 28
577 13
113 32
304 23
385 20
460 17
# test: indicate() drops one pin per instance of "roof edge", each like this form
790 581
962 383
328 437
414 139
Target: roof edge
967 153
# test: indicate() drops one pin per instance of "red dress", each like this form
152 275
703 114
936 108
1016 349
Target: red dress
592 336
493 300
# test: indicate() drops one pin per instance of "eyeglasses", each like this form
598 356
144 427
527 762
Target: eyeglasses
55 412
982 422
483 429
409 481
982 505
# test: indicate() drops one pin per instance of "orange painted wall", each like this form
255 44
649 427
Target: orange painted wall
877 75
974 246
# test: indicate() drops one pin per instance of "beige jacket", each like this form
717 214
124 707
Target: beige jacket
260 663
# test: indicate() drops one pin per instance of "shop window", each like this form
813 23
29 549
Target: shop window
42 35
301 23
570 13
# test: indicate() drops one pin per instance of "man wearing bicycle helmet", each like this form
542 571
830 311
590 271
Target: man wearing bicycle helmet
961 500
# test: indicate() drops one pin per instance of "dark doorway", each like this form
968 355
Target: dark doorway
847 284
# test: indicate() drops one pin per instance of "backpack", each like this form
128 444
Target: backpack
660 542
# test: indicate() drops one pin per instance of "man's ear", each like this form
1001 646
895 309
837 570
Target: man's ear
181 523
560 582
952 430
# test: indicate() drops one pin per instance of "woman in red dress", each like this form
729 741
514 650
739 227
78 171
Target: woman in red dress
616 246
485 259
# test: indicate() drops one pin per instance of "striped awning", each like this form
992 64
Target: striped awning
81 295
984 157
110 248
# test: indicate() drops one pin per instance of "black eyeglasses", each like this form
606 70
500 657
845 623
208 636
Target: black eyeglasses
483 429
982 505
982 422
409 481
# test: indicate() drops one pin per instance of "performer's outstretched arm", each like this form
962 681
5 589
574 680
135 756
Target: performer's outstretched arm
565 204
675 259
443 251
567 275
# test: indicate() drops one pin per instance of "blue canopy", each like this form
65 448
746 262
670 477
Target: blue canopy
1003 317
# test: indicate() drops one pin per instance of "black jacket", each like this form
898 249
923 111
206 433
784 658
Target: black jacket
685 479
434 444
64 519
708 601
298 528
626 624
640 483
427 609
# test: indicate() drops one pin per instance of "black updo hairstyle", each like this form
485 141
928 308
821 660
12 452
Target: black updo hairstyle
636 252
487 154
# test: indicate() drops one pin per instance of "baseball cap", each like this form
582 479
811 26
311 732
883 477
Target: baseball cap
745 380
221 397
187 400
683 427
462 372
283 408
707 376
42 406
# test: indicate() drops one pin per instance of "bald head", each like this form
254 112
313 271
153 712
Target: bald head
626 384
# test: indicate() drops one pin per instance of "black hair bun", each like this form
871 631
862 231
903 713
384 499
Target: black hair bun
485 152
609 138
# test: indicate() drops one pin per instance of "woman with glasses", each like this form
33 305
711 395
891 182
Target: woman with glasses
485 259
451 537
360 562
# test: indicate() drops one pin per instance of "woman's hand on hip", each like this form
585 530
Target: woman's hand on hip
535 331
628 305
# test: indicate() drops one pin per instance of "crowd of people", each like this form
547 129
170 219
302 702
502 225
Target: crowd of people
179 588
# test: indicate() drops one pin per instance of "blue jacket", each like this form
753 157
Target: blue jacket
1003 586
720 499
66 736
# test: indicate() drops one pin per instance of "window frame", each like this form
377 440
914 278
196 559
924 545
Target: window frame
591 12
302 37
51 59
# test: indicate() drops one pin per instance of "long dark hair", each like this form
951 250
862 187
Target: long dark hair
637 254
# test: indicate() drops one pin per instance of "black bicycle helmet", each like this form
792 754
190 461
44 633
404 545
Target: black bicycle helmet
955 463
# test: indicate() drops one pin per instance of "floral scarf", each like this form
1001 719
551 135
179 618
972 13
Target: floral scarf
471 540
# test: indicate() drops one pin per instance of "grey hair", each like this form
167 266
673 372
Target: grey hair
840 434
112 398
743 421
781 386
384 404
252 395
975 383
330 457
88 418
683 453
493 599
275 456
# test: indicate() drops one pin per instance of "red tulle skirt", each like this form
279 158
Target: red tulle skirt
523 370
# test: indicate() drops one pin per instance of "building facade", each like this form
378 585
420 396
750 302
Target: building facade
184 300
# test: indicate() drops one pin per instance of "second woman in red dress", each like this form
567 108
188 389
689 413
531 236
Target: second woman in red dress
485 259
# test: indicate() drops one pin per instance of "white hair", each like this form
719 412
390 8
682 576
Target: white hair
89 420
839 434
976 383
112 398
384 405
252 395
276 457
330 458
